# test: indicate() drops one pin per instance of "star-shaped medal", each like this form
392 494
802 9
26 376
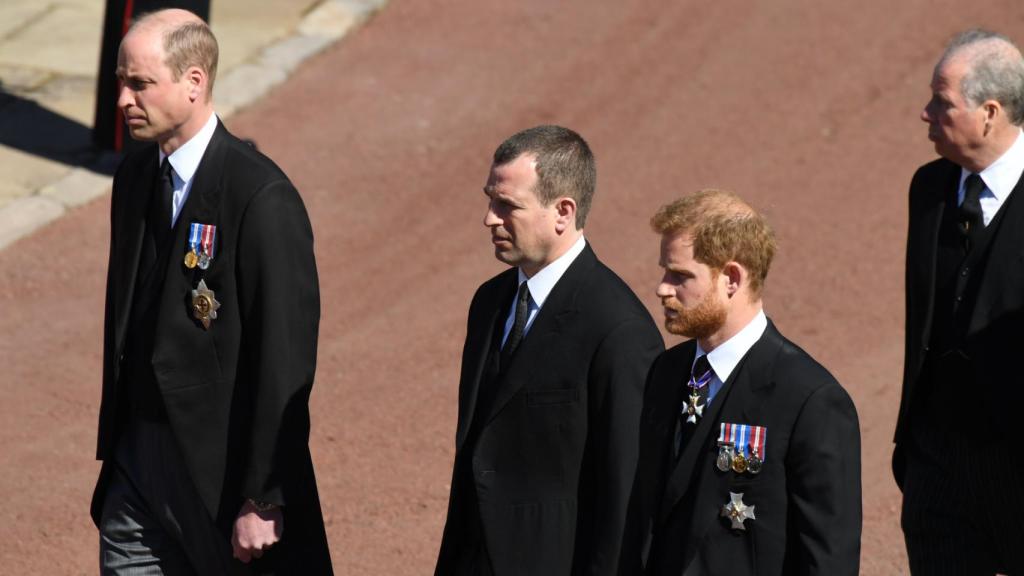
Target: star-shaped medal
692 409
204 304
736 511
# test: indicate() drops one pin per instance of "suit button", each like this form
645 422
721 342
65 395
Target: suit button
926 349
965 271
959 298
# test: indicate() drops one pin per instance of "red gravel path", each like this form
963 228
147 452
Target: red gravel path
808 109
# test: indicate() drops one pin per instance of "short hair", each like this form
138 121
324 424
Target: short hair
565 165
724 228
186 44
995 70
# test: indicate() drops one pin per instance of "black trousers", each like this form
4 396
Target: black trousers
963 509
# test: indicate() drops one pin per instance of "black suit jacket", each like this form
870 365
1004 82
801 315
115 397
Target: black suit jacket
236 395
994 339
553 460
807 498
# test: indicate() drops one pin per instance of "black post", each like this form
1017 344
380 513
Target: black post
108 125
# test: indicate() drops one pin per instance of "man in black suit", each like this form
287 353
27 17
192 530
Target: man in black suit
957 445
749 449
557 349
210 335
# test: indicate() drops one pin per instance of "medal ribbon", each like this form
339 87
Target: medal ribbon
208 235
195 231
698 382
758 440
744 436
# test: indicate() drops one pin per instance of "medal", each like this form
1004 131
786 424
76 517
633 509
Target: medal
204 304
692 409
739 463
201 242
758 436
724 461
746 448
737 512
754 462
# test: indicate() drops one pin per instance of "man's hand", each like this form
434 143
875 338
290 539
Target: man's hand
255 531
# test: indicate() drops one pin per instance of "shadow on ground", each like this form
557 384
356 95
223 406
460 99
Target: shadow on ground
27 126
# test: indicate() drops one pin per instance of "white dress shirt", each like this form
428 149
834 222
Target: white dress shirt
184 162
1000 178
541 285
727 355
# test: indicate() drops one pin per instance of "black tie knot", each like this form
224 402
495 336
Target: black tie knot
701 368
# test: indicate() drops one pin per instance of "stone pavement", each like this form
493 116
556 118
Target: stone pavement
49 59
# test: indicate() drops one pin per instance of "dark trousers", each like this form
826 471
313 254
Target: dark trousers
153 521
963 512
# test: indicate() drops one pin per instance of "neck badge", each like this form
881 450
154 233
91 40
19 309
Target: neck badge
201 241
746 445
737 512
204 304
693 409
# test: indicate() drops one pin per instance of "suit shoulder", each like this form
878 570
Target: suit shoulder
243 155
800 372
926 176
492 287
606 292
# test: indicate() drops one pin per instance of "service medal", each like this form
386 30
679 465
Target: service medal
204 304
754 463
191 260
739 463
201 241
737 512
724 461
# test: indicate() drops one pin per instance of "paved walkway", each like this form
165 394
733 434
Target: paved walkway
49 54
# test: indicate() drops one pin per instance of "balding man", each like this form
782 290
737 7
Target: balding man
956 456
210 335
749 449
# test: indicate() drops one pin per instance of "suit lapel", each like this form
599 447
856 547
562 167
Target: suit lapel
478 346
201 205
558 309
928 240
744 390
127 247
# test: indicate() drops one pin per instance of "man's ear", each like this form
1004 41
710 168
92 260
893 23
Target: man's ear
565 219
197 82
735 276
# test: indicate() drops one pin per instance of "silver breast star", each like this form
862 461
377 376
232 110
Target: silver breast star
736 511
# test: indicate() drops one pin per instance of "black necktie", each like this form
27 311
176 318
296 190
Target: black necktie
971 223
692 408
158 219
516 335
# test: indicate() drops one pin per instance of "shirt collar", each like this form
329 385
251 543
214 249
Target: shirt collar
185 160
543 282
1002 175
727 355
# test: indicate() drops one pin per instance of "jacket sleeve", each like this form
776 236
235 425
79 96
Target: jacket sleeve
823 474
618 374
280 313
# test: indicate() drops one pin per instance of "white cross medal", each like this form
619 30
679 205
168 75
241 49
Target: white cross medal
737 512
693 409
